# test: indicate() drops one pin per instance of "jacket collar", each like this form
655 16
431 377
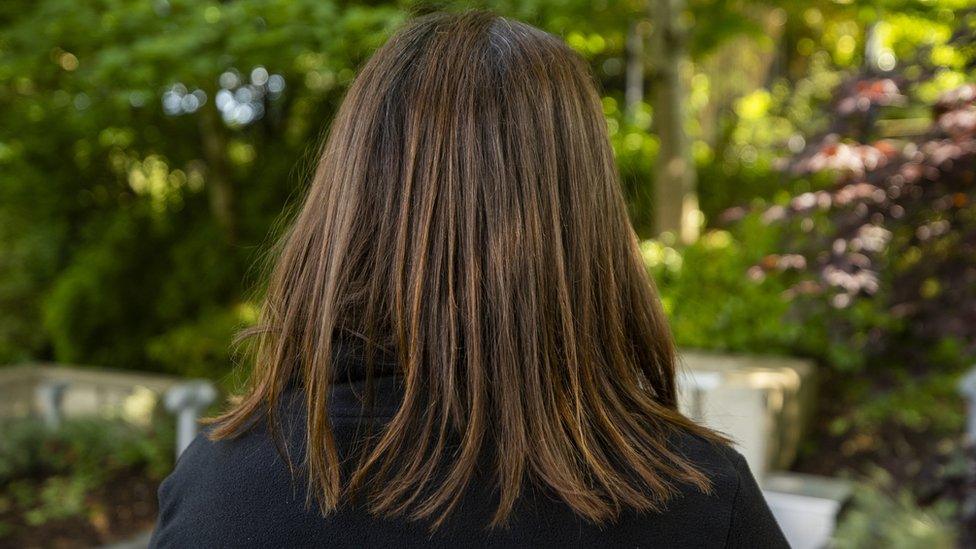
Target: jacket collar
351 384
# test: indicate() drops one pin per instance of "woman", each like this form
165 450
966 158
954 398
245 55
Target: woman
459 345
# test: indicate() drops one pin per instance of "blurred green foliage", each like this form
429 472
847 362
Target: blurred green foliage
49 474
711 300
867 264
130 224
85 447
884 516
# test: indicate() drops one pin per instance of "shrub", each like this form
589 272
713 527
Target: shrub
50 474
201 348
882 517
91 448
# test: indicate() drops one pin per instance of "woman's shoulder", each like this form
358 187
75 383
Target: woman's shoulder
242 492
736 491
225 491
720 462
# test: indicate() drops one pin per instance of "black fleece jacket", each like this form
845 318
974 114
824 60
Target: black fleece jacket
239 493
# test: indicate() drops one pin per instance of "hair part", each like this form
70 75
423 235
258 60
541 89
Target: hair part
466 218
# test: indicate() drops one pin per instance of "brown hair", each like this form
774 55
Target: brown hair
466 217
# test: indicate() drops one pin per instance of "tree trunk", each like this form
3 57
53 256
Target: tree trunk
634 92
676 204
873 48
219 186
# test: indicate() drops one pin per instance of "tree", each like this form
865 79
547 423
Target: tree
676 204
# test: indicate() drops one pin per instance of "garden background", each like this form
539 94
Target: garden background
802 175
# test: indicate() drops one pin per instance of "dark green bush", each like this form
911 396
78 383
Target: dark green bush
93 448
884 516
48 474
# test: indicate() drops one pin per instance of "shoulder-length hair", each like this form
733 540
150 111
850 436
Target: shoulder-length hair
466 217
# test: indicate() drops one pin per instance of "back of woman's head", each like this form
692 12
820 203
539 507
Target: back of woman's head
466 218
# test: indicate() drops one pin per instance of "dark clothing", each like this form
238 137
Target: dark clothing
239 493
